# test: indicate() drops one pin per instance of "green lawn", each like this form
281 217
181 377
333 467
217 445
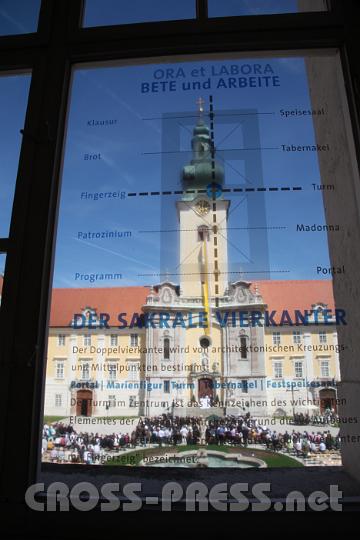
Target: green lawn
51 419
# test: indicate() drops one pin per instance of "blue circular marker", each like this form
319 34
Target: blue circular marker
214 191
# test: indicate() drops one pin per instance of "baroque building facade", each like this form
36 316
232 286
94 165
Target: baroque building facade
200 346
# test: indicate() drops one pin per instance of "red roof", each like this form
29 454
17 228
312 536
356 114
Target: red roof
291 295
278 295
113 300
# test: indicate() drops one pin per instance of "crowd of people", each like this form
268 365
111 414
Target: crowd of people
327 418
61 443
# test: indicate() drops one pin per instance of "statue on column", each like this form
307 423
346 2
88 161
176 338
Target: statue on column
202 428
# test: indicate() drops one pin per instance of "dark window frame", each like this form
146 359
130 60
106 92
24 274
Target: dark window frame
50 54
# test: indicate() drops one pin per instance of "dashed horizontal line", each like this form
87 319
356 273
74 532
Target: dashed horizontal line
206 114
255 228
225 190
219 229
212 273
218 150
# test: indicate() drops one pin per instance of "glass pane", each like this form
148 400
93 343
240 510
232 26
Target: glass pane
14 92
199 245
110 12
2 270
230 8
19 16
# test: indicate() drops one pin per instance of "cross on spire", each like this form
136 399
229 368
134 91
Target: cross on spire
201 103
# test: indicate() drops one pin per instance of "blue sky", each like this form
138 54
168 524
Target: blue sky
105 12
14 92
227 8
19 16
131 161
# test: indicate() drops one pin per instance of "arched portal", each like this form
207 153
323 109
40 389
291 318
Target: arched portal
327 398
205 388
84 403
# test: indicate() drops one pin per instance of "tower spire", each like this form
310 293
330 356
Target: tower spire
203 170
200 102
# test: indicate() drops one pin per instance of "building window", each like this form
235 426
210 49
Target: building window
87 340
133 373
112 371
132 401
203 233
61 340
325 371
276 338
278 370
243 348
166 349
85 372
113 340
134 340
59 370
58 400
322 337
112 401
296 337
244 386
167 387
298 370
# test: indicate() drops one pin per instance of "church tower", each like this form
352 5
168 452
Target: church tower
192 361
203 217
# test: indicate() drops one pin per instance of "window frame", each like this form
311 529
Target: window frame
134 339
276 338
296 335
112 371
58 363
114 340
297 364
61 340
324 363
49 54
278 364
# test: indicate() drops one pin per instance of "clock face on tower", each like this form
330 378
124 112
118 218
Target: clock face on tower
202 208
205 147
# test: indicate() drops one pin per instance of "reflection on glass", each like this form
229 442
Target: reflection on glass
192 273
14 92
232 8
2 270
110 12
2 263
19 16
